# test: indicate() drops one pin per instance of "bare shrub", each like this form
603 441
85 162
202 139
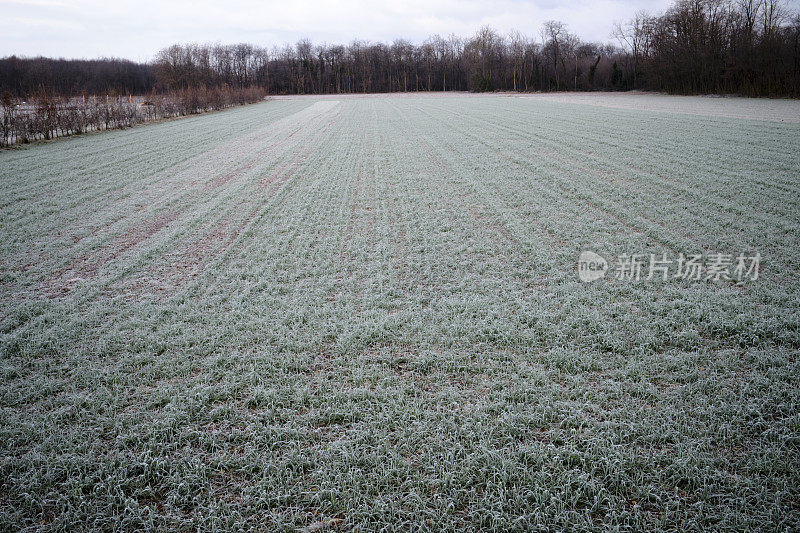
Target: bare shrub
49 117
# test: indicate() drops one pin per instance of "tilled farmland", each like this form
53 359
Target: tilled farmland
359 313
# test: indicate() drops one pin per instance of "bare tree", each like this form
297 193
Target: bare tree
553 33
518 44
635 35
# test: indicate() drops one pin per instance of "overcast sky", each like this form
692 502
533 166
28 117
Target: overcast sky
137 29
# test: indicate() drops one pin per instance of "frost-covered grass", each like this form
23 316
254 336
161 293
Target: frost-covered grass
774 109
365 314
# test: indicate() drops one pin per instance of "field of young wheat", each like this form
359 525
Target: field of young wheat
366 313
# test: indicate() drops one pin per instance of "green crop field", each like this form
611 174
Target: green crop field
366 314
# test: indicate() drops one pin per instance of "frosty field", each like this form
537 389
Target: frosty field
365 313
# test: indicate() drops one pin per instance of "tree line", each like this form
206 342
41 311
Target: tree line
26 77
749 47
